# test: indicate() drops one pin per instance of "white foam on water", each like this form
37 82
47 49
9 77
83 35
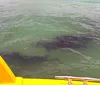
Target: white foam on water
75 51
8 43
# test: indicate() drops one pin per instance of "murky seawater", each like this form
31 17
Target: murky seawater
24 22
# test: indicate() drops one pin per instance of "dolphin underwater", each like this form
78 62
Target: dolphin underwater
16 57
66 41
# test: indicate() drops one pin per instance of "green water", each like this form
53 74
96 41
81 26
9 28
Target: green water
24 22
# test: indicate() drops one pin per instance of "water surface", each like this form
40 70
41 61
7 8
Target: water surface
24 22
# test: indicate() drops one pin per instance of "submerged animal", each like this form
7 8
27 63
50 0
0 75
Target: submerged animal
66 42
12 57
18 63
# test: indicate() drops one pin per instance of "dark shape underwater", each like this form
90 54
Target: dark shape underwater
12 57
74 42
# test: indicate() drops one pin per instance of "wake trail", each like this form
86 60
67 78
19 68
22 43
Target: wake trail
85 57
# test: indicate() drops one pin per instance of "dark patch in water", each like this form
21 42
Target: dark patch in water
11 57
19 63
74 42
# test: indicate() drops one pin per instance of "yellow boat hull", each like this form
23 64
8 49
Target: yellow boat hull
27 81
